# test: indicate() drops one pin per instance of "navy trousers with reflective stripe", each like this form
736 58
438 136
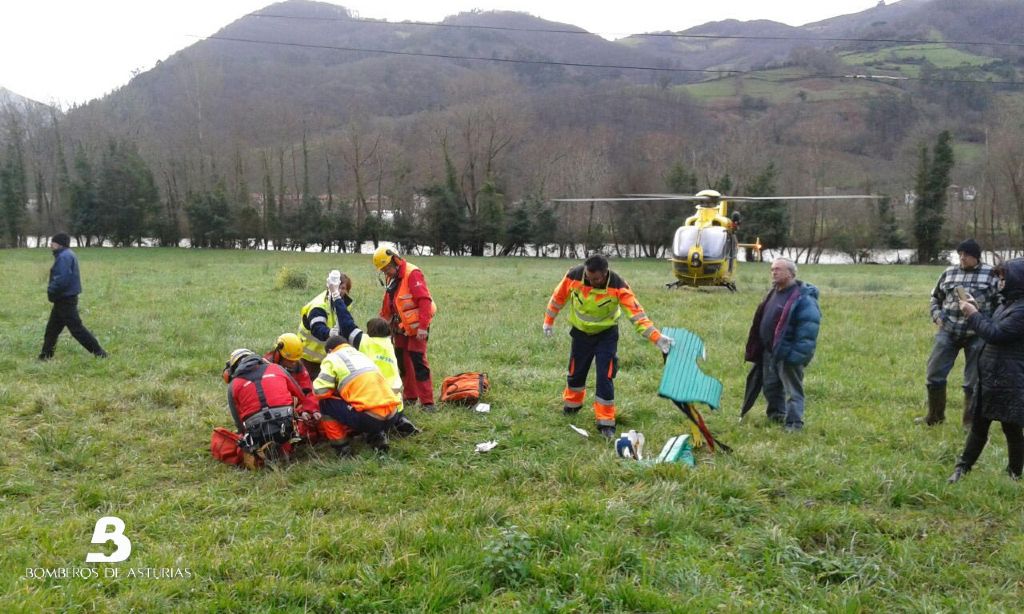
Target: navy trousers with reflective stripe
588 348
358 421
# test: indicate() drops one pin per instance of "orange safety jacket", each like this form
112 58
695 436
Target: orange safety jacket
593 310
348 374
410 303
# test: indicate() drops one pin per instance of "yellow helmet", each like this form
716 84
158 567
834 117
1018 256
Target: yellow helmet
383 255
233 360
289 346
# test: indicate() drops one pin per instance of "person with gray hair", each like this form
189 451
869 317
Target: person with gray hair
782 339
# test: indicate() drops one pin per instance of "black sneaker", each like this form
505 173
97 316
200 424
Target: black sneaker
958 474
429 408
100 354
570 411
608 432
45 357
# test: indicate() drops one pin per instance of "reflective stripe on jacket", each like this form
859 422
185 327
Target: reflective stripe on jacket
593 310
348 374
313 348
403 303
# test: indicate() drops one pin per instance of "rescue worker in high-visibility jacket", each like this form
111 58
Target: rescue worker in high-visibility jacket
319 320
596 297
409 309
288 354
376 343
354 398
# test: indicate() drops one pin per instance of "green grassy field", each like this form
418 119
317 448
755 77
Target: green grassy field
853 514
782 85
906 58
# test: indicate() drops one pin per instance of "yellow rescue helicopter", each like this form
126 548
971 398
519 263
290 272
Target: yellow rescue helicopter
704 248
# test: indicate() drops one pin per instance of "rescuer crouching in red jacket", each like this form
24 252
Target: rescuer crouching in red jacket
261 397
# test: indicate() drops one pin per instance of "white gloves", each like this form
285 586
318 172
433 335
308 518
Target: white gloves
664 344
548 330
334 284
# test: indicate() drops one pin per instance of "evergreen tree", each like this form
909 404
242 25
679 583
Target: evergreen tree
127 194
13 185
404 230
271 223
446 212
209 217
490 221
85 215
518 231
767 220
545 224
890 236
930 207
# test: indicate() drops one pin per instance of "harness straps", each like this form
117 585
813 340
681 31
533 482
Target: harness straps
254 376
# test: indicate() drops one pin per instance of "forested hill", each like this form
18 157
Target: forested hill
303 58
300 108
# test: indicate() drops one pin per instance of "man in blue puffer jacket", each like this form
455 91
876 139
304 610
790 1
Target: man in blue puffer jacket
63 290
782 338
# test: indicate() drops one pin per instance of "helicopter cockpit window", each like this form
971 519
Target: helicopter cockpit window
686 237
715 241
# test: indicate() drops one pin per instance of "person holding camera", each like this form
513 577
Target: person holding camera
952 336
999 395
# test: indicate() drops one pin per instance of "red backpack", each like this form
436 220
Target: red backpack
465 387
225 446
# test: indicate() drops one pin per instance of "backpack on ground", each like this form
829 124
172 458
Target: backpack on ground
225 446
464 387
233 449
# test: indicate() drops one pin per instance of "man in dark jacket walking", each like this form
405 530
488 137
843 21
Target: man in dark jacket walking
63 290
782 338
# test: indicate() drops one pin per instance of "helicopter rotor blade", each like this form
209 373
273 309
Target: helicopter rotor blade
710 199
685 197
743 199
603 200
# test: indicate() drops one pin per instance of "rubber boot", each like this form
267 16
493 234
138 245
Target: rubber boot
343 448
968 410
936 406
404 427
378 441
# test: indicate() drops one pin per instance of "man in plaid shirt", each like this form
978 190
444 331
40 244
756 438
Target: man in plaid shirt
979 281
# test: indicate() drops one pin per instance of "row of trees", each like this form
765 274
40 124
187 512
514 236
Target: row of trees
478 178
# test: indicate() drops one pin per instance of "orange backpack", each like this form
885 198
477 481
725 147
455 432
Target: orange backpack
465 387
225 446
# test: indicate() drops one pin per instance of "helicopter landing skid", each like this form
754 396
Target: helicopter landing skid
679 284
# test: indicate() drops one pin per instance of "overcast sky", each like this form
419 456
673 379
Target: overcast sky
70 51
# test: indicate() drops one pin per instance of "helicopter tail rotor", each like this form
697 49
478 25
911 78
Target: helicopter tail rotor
756 245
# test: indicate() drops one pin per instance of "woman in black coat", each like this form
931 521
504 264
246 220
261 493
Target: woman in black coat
1000 394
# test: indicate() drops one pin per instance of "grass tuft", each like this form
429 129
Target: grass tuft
290 279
